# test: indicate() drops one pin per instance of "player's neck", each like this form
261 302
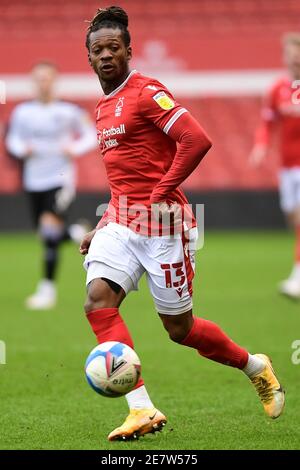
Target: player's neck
45 99
109 87
293 76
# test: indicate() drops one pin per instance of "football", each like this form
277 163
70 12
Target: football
112 369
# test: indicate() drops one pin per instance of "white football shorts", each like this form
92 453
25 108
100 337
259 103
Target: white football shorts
289 189
123 256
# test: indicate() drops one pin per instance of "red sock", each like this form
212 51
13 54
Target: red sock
297 244
211 342
108 325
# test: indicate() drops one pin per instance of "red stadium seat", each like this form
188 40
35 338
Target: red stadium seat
55 29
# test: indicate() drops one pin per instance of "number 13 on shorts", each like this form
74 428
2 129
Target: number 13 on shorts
174 271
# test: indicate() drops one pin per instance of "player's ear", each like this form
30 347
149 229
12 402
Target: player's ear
129 52
89 59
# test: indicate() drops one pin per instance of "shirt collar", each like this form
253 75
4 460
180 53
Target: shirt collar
116 90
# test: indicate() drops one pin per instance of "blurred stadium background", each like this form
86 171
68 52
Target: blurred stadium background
217 56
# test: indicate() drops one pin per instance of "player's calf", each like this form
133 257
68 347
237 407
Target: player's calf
178 326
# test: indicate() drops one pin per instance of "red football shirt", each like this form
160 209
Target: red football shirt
280 108
133 124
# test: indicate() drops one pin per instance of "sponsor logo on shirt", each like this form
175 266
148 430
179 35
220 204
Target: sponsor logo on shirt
119 107
152 87
113 131
163 100
111 143
105 134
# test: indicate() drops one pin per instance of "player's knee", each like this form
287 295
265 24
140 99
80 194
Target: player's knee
95 301
100 295
177 331
178 326
177 334
51 234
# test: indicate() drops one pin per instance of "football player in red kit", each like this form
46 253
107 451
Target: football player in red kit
281 113
139 124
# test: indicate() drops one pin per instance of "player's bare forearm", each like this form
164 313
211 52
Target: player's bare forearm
262 141
258 155
264 133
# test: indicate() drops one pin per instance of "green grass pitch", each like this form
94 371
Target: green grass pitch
47 404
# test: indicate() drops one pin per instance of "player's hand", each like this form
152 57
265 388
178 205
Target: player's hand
86 241
28 152
258 155
68 152
64 197
167 213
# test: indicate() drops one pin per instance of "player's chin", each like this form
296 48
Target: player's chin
108 74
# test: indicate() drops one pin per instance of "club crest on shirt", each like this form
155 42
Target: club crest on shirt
119 107
163 100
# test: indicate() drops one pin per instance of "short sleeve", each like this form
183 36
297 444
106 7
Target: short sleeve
157 104
16 139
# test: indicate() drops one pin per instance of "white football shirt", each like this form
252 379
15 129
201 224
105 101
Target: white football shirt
49 128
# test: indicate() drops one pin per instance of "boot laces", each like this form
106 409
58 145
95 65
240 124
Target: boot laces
264 389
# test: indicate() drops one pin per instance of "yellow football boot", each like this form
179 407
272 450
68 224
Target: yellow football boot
269 390
138 423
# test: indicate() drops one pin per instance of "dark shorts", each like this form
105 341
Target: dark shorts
49 201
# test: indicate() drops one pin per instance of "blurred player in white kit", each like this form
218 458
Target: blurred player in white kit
47 134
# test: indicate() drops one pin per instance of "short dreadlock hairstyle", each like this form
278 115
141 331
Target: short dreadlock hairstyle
109 17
